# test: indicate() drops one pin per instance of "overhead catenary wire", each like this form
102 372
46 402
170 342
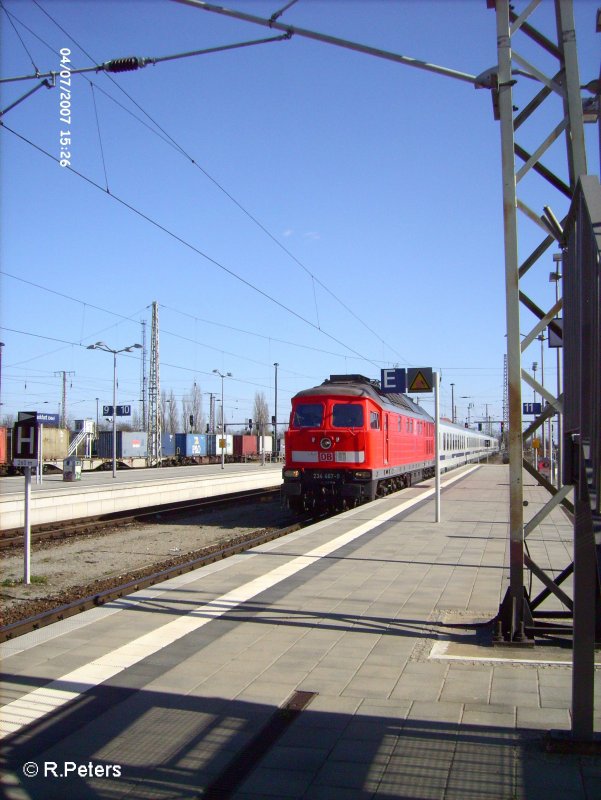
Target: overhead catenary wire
245 211
191 247
128 63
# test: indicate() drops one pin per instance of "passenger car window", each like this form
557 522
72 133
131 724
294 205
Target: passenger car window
345 415
308 415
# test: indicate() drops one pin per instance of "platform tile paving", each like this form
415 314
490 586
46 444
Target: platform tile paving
389 721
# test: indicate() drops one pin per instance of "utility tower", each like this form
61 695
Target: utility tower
154 393
143 380
63 419
505 404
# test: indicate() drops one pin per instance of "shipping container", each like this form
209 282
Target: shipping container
130 444
245 445
264 443
190 445
214 446
3 446
167 445
55 443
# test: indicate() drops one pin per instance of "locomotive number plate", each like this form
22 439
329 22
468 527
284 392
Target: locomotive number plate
326 476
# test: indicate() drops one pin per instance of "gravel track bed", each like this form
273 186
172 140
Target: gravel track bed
84 565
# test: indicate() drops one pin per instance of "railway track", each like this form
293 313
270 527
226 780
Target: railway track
136 582
92 525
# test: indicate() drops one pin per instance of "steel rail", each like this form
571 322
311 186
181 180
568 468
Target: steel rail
91 525
208 556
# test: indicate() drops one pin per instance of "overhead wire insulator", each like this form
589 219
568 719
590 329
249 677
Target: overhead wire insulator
128 64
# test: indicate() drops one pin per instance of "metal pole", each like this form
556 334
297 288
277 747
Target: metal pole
512 310
40 468
321 37
222 427
542 382
27 528
114 415
275 425
452 402
437 443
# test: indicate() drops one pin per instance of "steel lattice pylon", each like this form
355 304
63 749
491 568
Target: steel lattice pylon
154 393
519 81
536 88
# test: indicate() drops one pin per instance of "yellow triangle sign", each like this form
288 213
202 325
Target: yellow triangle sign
420 384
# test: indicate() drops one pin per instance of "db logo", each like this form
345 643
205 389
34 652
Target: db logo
326 456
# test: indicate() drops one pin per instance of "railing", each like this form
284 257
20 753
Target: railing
81 436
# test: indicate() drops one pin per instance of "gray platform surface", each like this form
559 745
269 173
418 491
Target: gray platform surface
377 611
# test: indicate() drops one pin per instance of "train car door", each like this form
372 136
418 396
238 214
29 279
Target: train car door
386 440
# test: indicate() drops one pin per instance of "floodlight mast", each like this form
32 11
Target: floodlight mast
129 349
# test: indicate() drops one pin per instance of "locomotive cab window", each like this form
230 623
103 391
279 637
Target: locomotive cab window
347 415
374 420
308 415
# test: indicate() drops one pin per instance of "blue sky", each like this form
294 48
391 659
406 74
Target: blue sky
299 203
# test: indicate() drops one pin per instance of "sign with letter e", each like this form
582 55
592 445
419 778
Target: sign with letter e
25 438
393 381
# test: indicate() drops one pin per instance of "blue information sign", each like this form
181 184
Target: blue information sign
393 381
48 419
531 408
122 411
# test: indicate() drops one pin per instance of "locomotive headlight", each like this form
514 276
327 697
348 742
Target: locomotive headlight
362 474
292 473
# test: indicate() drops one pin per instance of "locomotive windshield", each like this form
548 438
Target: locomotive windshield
308 415
347 415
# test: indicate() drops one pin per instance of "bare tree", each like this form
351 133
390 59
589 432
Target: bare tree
196 410
186 411
163 410
172 413
260 413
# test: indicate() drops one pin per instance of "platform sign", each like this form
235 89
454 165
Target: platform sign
122 411
531 408
48 419
25 438
420 379
393 381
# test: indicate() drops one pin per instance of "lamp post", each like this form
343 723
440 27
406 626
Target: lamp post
275 419
1 349
107 349
222 375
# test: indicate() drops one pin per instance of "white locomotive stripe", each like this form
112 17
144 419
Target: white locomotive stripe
305 455
355 456
40 702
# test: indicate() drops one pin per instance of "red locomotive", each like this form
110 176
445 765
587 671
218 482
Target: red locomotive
349 443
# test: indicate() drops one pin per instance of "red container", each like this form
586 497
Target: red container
3 449
245 445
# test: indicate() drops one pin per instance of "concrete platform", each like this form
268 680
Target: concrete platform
99 493
376 611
